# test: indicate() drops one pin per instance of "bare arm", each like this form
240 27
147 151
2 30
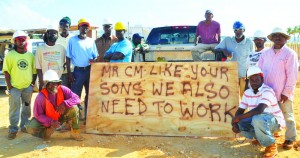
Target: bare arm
7 79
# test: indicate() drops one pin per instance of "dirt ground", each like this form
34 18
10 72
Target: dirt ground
132 146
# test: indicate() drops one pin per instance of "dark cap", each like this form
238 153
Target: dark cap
208 12
137 35
65 20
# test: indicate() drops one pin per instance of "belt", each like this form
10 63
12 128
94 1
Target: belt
82 68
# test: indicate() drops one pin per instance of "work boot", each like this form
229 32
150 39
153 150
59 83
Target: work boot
288 144
12 135
271 151
24 130
48 132
75 134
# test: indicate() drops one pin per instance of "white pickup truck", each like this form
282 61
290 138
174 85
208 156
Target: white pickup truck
173 43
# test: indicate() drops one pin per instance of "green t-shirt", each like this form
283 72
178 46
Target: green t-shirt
20 67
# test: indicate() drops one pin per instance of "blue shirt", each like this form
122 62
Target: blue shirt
124 47
240 52
80 51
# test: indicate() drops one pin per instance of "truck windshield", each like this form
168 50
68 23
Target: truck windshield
172 35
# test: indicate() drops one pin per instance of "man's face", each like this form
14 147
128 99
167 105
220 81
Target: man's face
107 29
256 81
52 87
279 39
259 42
52 35
239 32
137 41
20 42
83 29
120 34
209 16
64 27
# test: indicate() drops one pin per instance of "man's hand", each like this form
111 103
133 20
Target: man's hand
227 53
55 124
235 128
61 108
235 120
283 98
70 77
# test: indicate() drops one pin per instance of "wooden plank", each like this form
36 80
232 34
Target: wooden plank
163 98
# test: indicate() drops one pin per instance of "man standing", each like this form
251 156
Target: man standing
49 55
20 76
54 105
63 39
82 52
106 40
139 48
280 66
122 50
264 116
259 41
209 32
238 48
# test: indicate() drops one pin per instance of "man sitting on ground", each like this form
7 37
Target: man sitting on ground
264 116
54 105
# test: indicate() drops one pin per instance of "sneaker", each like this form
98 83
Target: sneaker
12 135
48 133
288 144
24 130
271 151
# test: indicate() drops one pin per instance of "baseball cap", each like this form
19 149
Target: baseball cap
137 35
208 12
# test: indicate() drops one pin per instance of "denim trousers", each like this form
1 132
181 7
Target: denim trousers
287 109
261 127
82 79
19 104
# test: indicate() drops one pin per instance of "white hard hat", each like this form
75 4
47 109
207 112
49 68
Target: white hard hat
259 34
19 33
107 22
51 76
253 70
280 31
52 27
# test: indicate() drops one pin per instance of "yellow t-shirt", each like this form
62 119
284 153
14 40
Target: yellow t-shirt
50 57
20 67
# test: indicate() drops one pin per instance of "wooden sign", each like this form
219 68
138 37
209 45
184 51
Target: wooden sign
163 98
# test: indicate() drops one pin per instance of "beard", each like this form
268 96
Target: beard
52 39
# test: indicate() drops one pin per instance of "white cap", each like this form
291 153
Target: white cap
19 33
253 70
259 34
52 27
51 76
107 22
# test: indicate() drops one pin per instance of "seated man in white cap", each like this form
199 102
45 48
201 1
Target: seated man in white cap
54 105
264 116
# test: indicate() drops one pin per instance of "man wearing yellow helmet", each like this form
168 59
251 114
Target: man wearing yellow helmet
120 51
81 51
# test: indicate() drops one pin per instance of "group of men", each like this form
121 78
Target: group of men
272 74
62 66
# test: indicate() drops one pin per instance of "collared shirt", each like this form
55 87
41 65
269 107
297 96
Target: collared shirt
103 45
266 96
39 107
280 70
209 33
123 47
240 52
254 57
80 51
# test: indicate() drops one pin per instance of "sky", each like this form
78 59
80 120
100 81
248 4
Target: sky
254 14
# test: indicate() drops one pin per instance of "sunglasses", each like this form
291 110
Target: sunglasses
235 30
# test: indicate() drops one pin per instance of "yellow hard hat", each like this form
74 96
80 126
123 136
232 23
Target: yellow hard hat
119 26
83 22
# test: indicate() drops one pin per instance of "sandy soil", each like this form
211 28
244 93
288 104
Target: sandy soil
60 145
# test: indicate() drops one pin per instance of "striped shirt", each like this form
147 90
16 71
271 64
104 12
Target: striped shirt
266 96
280 70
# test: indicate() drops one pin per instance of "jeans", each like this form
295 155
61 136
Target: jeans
82 79
19 98
287 109
261 127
